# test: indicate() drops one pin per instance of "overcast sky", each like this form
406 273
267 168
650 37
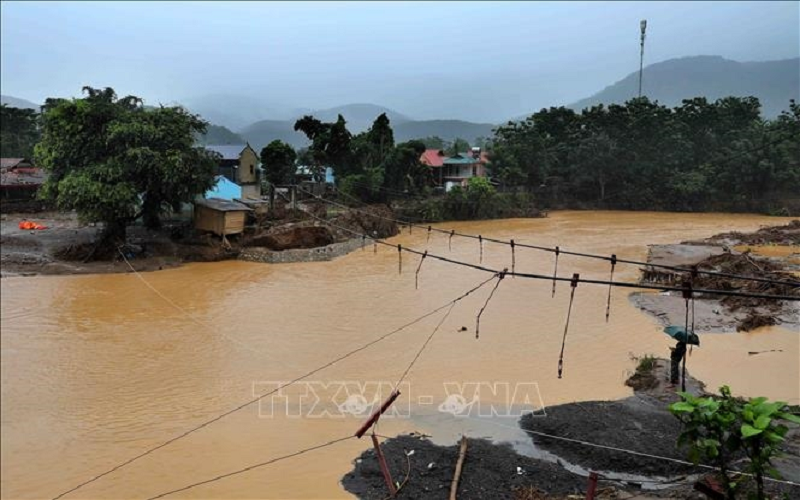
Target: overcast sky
481 61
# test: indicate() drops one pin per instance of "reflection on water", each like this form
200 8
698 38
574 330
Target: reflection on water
96 369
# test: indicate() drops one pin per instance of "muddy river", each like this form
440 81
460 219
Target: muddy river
97 368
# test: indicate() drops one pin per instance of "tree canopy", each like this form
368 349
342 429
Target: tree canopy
112 160
18 132
641 155
278 162
368 165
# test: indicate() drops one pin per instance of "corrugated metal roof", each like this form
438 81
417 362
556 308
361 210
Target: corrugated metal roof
22 177
222 205
10 162
461 160
432 157
228 151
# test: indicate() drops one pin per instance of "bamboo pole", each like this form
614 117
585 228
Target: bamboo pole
461 454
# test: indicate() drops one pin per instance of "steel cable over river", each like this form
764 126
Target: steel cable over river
80 393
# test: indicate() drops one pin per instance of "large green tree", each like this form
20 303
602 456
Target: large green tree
278 162
18 132
113 160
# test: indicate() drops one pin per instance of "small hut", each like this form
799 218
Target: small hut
221 217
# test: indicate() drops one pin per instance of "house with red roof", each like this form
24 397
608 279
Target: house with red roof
457 169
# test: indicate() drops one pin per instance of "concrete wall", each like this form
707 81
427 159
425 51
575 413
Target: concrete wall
251 191
248 161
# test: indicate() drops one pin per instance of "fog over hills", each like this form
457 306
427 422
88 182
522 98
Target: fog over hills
257 121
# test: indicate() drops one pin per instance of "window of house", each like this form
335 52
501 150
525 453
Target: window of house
474 171
252 170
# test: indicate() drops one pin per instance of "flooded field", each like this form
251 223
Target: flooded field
97 368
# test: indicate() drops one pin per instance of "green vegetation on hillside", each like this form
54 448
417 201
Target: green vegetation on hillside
699 156
669 82
217 134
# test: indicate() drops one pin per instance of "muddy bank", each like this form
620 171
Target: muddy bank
769 253
69 247
641 424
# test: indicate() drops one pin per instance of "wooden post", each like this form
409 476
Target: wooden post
387 476
592 486
377 414
462 452
294 197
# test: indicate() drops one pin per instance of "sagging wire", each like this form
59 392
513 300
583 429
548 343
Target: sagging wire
513 259
555 273
480 243
250 467
500 276
610 279
427 341
399 259
573 284
416 275
687 295
693 275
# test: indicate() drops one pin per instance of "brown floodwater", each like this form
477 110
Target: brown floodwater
96 369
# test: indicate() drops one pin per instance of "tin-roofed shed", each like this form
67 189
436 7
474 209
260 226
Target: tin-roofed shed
221 217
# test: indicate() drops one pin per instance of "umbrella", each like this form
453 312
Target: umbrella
680 333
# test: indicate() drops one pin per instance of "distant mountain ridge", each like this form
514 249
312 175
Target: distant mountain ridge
16 102
262 132
253 120
671 81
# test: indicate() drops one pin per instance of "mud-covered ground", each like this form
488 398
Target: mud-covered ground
771 252
68 246
489 471
640 424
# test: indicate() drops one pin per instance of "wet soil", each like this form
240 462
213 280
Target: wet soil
68 246
728 313
489 471
640 423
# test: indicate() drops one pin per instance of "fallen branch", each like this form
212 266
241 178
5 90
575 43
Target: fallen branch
461 454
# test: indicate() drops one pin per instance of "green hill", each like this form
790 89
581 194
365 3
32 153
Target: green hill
671 81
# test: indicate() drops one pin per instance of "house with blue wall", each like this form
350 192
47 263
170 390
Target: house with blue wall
224 189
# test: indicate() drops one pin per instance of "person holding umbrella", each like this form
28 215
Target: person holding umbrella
675 358
679 351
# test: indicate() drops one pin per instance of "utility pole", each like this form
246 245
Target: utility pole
643 26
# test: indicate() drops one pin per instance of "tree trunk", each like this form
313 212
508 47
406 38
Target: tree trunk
151 213
114 233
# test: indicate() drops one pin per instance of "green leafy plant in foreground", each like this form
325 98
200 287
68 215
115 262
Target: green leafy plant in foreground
717 428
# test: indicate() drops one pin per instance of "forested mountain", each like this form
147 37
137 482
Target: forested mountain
217 134
774 83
